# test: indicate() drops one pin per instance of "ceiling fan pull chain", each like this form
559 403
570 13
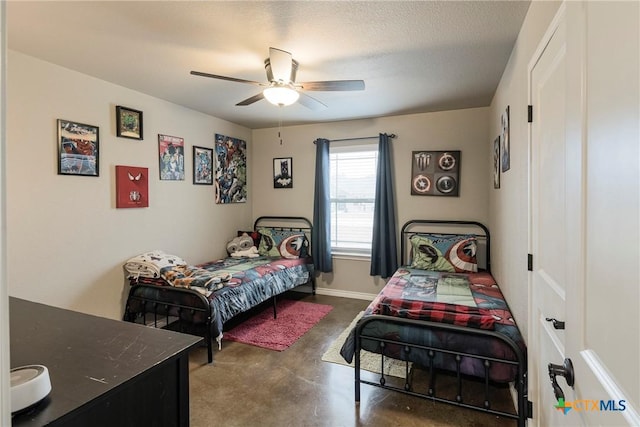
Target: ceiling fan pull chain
280 123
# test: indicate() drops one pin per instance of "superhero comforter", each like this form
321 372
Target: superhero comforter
471 300
234 285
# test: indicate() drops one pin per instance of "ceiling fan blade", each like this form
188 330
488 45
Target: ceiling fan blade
311 103
251 100
281 64
333 85
231 79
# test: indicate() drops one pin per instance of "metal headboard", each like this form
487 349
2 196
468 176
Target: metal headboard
447 227
286 223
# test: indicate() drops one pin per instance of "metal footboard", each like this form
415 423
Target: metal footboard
159 306
155 306
431 392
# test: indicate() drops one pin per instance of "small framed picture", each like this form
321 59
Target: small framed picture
171 150
496 163
128 123
202 165
283 172
505 140
132 187
78 149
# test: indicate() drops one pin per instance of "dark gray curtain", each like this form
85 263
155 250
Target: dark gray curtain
321 234
384 252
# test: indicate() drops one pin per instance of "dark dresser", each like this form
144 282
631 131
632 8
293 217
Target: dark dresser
103 372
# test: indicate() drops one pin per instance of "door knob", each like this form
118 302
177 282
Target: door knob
557 324
565 370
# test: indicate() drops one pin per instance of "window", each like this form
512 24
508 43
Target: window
353 186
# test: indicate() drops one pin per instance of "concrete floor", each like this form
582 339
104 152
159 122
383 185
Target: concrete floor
247 386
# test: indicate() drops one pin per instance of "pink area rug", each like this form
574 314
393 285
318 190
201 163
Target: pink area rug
295 318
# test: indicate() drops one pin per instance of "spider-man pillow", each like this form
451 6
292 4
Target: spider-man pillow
444 252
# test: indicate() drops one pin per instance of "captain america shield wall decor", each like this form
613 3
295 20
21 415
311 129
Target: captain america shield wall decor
435 173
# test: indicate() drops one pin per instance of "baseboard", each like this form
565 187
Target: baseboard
345 294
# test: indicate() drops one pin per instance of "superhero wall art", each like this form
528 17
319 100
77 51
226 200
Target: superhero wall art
435 173
231 170
132 187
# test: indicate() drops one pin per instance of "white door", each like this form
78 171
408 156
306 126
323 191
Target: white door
584 216
550 238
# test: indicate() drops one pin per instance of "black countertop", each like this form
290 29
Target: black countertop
87 356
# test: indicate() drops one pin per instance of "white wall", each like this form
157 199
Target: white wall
509 204
5 396
465 130
66 240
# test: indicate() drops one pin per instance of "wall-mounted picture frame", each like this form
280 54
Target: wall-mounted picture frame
231 169
202 165
132 187
283 172
496 163
78 149
128 123
171 150
435 173
505 149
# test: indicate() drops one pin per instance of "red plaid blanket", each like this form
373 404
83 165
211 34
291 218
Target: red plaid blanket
454 314
404 296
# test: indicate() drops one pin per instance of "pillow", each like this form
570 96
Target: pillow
282 243
444 252
241 243
253 234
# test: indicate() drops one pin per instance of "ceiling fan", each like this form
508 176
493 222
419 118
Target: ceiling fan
282 88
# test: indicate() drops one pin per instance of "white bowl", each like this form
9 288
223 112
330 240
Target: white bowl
29 385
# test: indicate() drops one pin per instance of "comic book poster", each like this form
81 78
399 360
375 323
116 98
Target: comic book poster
171 149
231 170
77 149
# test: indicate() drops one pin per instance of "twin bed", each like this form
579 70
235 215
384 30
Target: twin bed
441 310
166 290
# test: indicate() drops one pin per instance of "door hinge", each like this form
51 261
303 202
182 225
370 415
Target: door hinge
530 262
530 114
529 409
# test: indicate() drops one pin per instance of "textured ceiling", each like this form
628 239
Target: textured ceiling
414 57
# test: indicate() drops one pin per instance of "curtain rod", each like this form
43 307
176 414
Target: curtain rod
391 135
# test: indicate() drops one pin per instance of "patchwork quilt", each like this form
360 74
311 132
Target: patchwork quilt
466 299
235 285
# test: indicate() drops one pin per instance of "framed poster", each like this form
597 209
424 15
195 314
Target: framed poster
132 187
171 149
202 165
128 123
231 170
435 173
283 172
496 163
78 149
506 141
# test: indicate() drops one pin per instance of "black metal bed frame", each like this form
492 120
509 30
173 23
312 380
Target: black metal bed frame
159 302
524 408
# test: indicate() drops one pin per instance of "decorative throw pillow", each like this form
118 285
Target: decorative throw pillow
443 252
240 243
282 243
253 234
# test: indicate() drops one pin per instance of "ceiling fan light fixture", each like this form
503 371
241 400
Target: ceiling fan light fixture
281 95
